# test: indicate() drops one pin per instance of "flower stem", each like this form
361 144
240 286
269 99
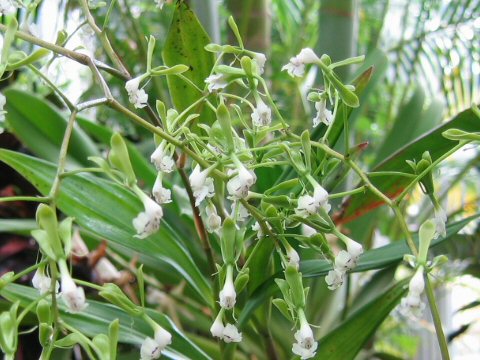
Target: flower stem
442 341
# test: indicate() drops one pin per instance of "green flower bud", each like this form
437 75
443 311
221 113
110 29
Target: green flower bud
283 307
223 117
246 63
116 296
294 280
236 32
9 330
460 135
48 236
102 343
44 313
62 37
45 332
425 234
227 243
242 280
113 331
279 200
120 159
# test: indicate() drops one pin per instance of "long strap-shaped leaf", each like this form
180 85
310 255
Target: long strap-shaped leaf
107 210
97 316
348 338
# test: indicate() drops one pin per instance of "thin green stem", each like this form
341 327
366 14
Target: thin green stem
73 55
62 157
342 194
442 341
25 198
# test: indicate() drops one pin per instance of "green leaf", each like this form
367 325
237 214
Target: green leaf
41 127
185 44
106 210
96 319
346 340
392 185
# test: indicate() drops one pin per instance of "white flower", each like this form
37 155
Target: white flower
162 161
306 345
7 7
73 296
201 184
160 3
334 279
106 271
320 196
344 261
214 222
239 185
411 306
161 195
306 205
440 220
323 114
162 337
309 205
262 115
417 283
148 222
136 96
228 295
307 56
260 60
150 349
228 333
354 248
41 282
231 334
217 327
296 66
293 258
216 82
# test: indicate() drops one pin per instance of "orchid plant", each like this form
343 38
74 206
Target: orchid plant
216 250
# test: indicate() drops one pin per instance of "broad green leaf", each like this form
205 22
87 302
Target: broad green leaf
379 258
146 175
41 127
412 121
185 44
346 340
392 185
107 210
96 318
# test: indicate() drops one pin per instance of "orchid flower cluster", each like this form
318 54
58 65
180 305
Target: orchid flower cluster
221 154
224 159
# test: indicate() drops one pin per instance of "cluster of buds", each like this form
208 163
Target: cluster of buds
55 241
